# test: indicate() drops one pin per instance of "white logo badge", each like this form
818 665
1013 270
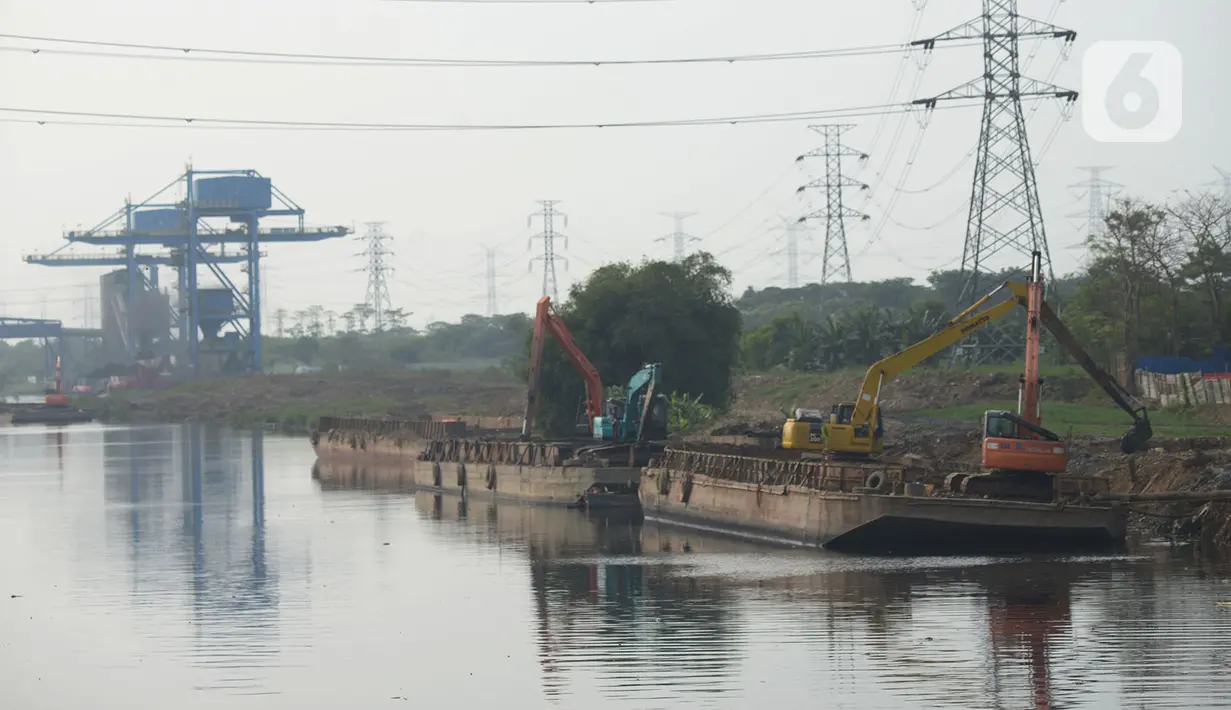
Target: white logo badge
1132 92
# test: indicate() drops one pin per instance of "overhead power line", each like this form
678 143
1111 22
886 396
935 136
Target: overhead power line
50 116
528 2
203 54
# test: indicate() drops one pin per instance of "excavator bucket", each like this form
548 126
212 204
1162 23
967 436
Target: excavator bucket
1136 437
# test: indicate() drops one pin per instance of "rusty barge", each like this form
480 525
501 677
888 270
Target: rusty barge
884 507
465 458
887 507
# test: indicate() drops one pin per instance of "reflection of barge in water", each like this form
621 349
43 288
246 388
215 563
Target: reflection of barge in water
849 505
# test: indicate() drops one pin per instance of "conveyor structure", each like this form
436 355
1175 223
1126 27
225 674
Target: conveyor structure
203 218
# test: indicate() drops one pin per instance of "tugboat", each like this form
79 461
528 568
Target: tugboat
55 408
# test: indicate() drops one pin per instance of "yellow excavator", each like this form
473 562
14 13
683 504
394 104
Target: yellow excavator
855 429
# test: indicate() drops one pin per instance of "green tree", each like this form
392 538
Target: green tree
623 316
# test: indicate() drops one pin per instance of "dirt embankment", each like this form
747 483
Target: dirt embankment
766 396
1169 465
297 400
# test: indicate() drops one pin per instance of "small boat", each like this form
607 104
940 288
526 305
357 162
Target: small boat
55 409
49 414
609 496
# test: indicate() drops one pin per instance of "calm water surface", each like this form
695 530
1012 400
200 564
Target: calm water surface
180 567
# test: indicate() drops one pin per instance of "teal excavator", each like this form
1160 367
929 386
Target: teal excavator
641 415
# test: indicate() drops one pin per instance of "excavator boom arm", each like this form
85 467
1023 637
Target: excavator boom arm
546 320
1141 431
881 372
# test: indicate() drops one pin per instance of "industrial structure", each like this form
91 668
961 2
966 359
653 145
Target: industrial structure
793 230
835 259
207 218
490 253
1005 215
376 257
1099 192
679 238
549 235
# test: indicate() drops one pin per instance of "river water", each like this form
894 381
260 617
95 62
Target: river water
182 567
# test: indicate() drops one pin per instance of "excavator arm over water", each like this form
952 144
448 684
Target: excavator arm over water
1141 432
546 320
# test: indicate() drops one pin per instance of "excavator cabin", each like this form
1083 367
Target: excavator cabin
1010 443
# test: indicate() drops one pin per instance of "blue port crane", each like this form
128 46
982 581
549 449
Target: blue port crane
218 209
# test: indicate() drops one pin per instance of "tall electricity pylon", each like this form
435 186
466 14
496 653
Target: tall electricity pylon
1224 182
377 255
835 257
679 238
1004 204
1099 193
549 235
491 280
794 231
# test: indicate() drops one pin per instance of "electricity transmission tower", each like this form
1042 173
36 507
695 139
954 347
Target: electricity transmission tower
280 322
679 238
835 257
549 235
377 255
1224 181
793 230
1099 193
1004 204
491 280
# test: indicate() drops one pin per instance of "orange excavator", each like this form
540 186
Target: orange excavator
57 398
638 417
545 319
1018 442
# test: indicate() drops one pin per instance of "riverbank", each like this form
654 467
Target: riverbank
297 402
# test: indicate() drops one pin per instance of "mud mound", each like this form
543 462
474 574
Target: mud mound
766 396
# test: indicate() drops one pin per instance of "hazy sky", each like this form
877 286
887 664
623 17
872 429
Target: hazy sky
444 194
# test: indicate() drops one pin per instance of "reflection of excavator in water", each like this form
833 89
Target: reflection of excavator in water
639 416
1026 617
1016 442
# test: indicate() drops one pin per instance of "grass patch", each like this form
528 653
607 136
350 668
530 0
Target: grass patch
1060 417
299 416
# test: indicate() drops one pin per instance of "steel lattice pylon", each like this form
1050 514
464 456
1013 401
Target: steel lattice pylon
491 280
376 254
835 258
1099 194
679 238
1004 202
549 235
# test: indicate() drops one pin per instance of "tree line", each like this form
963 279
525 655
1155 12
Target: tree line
1156 281
475 340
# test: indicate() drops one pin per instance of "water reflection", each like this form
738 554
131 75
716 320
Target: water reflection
152 567
204 533
620 613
